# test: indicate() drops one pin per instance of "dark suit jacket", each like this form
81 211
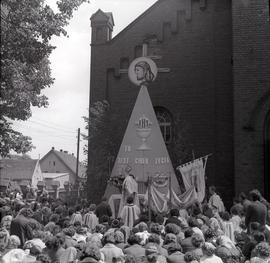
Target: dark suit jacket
20 226
256 212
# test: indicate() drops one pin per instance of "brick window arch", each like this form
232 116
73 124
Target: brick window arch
165 121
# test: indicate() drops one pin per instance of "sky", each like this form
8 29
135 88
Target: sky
57 125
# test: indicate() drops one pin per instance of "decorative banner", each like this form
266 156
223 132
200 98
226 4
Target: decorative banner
143 147
193 175
142 71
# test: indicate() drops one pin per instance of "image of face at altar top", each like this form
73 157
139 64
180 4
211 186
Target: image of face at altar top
142 71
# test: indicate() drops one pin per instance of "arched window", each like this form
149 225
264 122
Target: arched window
164 118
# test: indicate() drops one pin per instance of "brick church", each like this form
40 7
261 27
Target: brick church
214 60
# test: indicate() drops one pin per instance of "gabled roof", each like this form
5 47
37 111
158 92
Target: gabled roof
69 160
18 169
101 16
145 13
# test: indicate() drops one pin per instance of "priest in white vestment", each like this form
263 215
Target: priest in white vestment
129 188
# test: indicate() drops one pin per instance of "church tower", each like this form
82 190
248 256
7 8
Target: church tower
102 27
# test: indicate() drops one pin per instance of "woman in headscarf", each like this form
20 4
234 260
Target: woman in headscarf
119 239
4 239
54 249
227 251
6 222
209 256
69 255
228 226
261 253
215 226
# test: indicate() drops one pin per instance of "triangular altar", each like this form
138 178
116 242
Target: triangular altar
143 147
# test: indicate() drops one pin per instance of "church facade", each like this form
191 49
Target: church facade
214 61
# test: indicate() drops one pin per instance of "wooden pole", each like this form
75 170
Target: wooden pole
170 189
149 198
77 161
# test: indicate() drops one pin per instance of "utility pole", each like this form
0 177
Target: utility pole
77 162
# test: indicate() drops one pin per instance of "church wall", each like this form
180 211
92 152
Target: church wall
198 51
251 56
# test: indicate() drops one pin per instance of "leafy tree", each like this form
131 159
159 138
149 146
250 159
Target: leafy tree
104 139
27 27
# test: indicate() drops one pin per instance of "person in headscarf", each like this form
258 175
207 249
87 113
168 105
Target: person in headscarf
169 239
13 242
152 254
69 240
109 249
18 255
228 226
90 254
227 251
215 226
4 239
69 255
261 253
54 249
215 202
6 221
43 258
235 219
209 256
119 239
143 232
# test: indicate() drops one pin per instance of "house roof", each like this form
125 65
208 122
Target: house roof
69 160
17 169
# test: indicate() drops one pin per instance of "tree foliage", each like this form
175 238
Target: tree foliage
104 139
27 27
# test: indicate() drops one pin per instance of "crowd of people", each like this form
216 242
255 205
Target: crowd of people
46 230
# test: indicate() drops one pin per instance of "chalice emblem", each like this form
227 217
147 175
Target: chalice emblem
143 131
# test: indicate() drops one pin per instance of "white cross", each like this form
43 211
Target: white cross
144 54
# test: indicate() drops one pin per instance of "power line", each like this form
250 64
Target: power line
52 127
47 133
52 123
